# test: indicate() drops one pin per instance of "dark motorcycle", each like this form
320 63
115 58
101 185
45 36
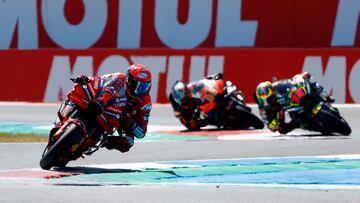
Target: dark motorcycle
310 110
78 129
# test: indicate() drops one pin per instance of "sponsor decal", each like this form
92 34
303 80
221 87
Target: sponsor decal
47 72
178 24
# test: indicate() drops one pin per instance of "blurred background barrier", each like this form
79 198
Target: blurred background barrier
43 75
180 24
45 42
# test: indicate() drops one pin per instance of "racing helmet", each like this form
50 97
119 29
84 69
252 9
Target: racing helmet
179 91
138 79
264 93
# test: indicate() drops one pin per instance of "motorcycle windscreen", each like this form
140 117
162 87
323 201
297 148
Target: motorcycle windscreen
116 86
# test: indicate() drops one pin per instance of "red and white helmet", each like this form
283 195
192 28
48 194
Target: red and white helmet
138 79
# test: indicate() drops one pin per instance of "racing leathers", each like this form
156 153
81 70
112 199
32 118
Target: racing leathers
135 110
187 112
272 114
136 120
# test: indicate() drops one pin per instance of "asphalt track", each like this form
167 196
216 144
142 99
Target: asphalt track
22 159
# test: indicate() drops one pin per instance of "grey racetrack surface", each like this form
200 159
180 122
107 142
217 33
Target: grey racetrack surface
27 155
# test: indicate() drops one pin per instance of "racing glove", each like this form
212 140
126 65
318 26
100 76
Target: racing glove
306 75
216 76
81 79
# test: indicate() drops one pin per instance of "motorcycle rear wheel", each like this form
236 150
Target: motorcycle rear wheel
333 123
71 136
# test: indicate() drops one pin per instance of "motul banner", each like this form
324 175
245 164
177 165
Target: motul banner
178 24
43 75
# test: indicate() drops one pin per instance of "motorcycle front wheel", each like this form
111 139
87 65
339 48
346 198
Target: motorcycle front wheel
71 137
332 123
248 117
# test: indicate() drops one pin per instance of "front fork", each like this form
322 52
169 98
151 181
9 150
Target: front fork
66 111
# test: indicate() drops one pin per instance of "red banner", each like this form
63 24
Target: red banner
178 24
43 75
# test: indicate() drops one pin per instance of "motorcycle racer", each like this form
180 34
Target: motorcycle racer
131 90
195 104
270 109
183 106
274 98
138 84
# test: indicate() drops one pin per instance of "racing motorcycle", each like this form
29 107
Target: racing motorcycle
229 111
309 108
83 122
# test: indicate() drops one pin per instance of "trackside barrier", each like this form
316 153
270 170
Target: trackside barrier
43 75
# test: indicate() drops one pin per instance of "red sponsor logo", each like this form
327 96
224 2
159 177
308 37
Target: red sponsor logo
183 24
44 75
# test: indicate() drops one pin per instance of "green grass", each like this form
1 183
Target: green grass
5 137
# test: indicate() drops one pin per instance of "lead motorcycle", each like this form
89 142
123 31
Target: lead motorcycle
309 108
78 130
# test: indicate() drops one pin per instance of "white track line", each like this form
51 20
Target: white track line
161 165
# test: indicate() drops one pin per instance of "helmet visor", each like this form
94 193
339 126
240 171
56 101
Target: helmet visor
138 87
142 87
178 96
178 92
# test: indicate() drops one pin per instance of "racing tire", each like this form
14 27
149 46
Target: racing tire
248 117
333 123
72 136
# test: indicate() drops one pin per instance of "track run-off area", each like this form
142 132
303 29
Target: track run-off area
173 165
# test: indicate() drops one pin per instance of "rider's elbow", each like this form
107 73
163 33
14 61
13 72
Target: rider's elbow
139 132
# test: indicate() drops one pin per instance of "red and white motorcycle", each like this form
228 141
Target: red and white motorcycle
84 121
